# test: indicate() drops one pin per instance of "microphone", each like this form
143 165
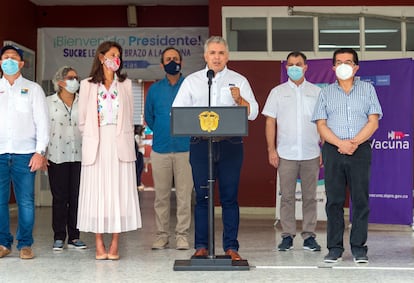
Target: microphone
210 76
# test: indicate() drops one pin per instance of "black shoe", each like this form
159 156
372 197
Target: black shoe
77 244
360 254
286 244
333 256
361 259
311 245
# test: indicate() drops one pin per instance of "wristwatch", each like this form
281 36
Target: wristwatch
41 152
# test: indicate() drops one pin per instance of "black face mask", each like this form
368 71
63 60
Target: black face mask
172 68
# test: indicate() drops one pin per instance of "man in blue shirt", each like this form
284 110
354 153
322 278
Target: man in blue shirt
346 115
170 155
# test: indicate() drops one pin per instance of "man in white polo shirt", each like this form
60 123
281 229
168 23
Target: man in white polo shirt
288 112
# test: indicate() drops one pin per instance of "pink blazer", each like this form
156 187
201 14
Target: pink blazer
88 122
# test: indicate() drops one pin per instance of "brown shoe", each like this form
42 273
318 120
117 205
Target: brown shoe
201 252
26 253
4 251
234 254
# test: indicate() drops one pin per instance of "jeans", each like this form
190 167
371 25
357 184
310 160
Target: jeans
343 170
15 168
227 163
64 179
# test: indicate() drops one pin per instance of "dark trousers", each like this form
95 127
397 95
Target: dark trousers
343 170
228 159
64 182
139 164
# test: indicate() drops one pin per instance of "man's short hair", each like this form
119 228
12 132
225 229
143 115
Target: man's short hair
170 48
345 50
297 54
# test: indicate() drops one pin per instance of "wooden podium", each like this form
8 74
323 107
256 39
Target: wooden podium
209 122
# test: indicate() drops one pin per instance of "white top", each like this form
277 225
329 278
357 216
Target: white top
194 91
292 106
108 104
24 118
65 143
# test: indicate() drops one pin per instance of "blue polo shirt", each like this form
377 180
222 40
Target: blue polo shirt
157 114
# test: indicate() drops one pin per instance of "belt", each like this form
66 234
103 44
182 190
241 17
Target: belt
215 139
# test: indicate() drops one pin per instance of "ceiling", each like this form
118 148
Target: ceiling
119 2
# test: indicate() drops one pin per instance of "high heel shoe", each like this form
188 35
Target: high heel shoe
101 257
113 257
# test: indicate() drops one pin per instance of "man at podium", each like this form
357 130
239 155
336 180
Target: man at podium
228 88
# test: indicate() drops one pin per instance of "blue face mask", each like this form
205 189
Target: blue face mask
295 73
10 67
172 68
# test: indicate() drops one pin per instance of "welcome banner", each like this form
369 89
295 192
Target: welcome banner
142 49
391 184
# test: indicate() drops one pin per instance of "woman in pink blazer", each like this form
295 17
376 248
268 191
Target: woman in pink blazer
108 200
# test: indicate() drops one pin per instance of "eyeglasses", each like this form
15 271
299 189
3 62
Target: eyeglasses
69 78
347 62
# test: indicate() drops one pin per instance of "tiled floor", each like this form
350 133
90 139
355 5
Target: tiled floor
390 252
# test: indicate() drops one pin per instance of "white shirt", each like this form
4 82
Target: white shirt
108 104
292 106
65 143
194 91
24 118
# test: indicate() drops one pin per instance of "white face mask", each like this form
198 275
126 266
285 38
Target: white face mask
72 86
344 71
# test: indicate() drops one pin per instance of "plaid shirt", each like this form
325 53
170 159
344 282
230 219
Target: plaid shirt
347 114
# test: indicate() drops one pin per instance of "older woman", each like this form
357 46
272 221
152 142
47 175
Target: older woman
64 156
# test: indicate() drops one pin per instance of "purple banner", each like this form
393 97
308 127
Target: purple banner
391 198
391 185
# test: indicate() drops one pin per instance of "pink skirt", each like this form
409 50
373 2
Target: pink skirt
108 198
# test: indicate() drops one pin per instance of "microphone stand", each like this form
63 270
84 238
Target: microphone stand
211 180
